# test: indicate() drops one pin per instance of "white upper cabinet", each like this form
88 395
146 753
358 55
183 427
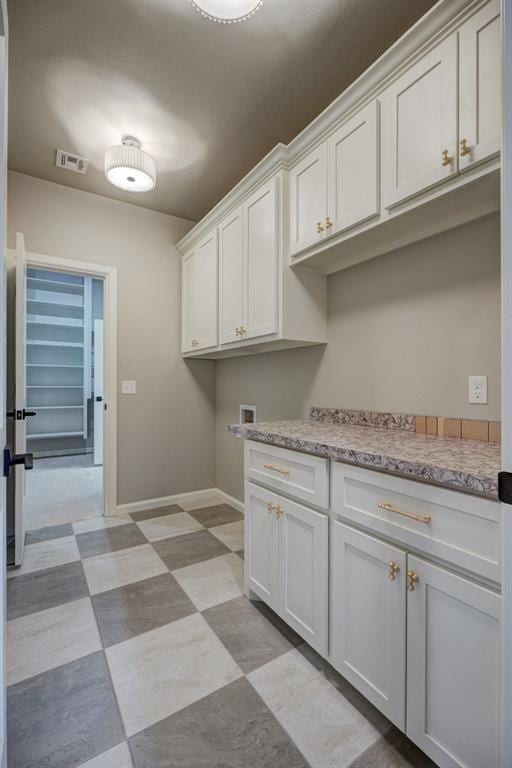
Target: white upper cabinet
419 125
231 277
308 200
261 258
353 171
480 86
199 295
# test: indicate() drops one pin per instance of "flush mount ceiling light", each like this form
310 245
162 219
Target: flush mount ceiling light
227 11
127 166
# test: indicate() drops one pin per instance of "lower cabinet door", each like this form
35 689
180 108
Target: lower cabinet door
452 667
304 568
261 532
368 623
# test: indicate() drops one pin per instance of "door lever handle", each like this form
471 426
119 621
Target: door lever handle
12 459
20 414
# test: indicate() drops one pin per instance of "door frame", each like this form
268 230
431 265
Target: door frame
506 381
109 276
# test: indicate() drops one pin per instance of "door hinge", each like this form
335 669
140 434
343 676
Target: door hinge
505 487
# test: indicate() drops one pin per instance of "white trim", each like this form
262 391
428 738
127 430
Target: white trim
109 276
191 497
506 382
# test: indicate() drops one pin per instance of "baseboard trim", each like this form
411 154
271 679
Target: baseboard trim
178 498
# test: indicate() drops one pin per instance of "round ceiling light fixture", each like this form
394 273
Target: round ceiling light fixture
227 11
128 167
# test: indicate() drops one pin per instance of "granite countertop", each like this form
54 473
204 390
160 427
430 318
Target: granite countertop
466 465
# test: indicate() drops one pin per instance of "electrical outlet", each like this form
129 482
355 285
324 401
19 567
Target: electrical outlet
477 390
128 387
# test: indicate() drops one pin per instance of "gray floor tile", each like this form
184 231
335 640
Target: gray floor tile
110 540
50 532
150 514
251 632
63 717
227 729
220 514
139 607
188 549
394 750
45 589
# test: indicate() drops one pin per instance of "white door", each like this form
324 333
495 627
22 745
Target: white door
480 86
99 405
368 618
353 171
20 400
207 292
308 200
453 667
261 543
304 567
3 369
231 277
261 248
419 125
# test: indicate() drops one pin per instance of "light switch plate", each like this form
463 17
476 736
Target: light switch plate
477 390
128 387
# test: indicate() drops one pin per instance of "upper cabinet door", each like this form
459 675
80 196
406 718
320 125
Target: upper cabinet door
480 86
308 200
189 298
231 277
419 125
368 617
205 293
353 171
453 667
304 564
262 251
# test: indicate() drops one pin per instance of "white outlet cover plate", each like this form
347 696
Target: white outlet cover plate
128 387
477 390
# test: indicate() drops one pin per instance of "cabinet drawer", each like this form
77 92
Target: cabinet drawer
457 528
294 474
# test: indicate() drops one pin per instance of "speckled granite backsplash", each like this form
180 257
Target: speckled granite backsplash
363 418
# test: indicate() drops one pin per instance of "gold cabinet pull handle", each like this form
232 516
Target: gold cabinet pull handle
464 149
195 343
279 511
412 580
270 507
275 468
393 569
388 506
319 227
328 223
446 159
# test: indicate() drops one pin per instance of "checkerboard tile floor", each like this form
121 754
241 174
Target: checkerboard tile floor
131 645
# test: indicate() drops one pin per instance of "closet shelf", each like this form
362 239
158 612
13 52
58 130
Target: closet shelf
55 322
54 434
52 365
56 407
55 386
58 286
46 343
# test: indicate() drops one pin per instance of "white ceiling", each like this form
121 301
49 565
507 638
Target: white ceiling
206 100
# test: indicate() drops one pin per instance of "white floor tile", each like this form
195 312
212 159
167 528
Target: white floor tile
170 525
212 581
231 534
99 523
329 731
117 757
63 495
47 639
160 672
118 568
47 554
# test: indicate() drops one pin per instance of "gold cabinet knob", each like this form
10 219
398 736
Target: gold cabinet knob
237 331
464 149
270 507
195 343
446 159
328 223
412 580
319 227
393 569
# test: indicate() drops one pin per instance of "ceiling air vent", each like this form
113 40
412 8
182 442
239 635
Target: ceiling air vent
71 162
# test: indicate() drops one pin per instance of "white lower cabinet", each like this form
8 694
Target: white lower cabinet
368 621
453 668
286 561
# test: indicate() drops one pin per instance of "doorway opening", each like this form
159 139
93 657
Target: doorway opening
64 396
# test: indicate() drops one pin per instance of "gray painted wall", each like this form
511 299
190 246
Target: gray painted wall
166 432
404 333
